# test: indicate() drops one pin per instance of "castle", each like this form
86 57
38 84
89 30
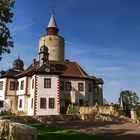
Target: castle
50 83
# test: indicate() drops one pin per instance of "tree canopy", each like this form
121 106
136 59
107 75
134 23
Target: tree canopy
128 99
6 16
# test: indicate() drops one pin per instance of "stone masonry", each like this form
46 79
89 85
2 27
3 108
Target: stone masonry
16 131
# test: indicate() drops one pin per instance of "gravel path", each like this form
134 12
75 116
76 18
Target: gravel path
115 130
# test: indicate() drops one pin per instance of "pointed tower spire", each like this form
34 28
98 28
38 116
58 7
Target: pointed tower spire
52 22
52 26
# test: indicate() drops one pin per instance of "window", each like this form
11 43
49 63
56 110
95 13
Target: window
32 83
1 85
20 103
12 85
42 103
68 86
96 90
80 86
61 85
22 85
51 102
1 103
32 100
89 87
47 83
17 86
81 102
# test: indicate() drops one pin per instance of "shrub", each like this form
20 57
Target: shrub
22 113
7 113
72 109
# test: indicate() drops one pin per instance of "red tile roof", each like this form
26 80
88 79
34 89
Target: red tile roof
69 69
65 69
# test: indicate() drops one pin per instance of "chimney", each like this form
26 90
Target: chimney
33 62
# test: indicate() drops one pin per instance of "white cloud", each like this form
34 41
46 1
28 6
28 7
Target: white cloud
22 27
109 68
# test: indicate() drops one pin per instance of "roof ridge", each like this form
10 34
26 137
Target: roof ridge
80 69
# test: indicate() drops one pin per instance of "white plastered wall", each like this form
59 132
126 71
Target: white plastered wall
85 94
47 93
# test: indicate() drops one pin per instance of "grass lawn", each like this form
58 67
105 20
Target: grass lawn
54 133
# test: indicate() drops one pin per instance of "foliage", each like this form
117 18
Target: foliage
6 113
72 109
22 113
6 16
137 109
55 133
128 99
116 107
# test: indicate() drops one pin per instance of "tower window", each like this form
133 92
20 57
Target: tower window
42 103
80 86
61 85
12 85
47 83
22 85
51 103
68 86
1 85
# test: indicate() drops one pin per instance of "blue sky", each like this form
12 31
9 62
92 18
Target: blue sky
103 36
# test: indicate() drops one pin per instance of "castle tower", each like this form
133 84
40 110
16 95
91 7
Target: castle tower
18 64
53 41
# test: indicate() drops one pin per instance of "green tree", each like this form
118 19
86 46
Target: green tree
6 16
128 99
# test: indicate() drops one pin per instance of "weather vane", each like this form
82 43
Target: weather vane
53 10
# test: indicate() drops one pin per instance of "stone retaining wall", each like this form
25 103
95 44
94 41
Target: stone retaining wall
54 118
16 131
108 110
